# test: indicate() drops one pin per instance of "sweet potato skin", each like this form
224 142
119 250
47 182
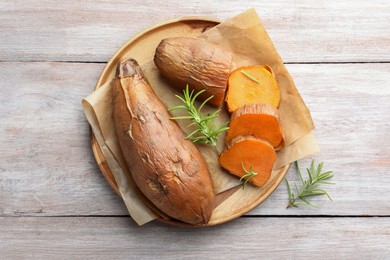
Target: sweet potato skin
167 168
249 151
193 61
258 120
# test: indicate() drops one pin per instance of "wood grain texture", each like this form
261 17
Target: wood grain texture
272 238
303 31
47 167
350 107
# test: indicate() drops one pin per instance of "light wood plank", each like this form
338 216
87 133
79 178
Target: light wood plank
303 31
46 164
47 167
118 238
351 111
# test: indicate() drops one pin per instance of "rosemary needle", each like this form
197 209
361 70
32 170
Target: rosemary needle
205 130
248 176
310 187
249 76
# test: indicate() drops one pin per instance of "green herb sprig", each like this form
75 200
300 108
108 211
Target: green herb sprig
248 176
310 187
206 131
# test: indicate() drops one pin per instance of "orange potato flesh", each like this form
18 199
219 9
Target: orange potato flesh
258 120
249 151
243 90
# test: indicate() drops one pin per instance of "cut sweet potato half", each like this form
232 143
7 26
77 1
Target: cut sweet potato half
258 120
249 152
252 85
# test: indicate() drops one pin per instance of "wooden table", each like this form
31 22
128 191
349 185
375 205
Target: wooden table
54 202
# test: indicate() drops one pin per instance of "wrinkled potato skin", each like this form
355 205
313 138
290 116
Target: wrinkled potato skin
166 167
193 61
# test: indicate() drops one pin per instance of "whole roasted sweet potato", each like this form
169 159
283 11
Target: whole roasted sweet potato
193 61
166 167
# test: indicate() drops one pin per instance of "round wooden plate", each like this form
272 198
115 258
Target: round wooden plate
230 204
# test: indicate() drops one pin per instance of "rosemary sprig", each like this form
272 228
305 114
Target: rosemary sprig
248 176
206 131
310 187
249 76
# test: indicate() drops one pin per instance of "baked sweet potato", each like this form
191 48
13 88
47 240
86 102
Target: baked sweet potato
258 120
166 167
252 85
193 61
250 153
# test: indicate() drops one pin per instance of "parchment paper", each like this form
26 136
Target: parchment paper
246 38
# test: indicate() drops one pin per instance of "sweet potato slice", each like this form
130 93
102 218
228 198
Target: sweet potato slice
249 152
252 85
258 120
193 61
